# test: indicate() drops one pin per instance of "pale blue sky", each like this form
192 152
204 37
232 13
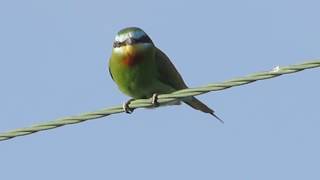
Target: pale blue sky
53 63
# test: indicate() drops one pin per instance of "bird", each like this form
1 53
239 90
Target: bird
141 70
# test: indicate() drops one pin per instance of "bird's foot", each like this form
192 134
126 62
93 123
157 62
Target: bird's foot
126 107
154 100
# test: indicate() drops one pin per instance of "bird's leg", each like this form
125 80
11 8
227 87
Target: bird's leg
154 100
126 107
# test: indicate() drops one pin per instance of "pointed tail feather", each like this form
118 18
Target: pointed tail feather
198 105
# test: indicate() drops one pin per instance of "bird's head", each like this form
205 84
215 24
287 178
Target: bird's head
131 38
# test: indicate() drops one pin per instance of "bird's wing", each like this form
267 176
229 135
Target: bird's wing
168 74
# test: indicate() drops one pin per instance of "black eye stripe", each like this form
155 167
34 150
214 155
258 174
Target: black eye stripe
130 41
118 44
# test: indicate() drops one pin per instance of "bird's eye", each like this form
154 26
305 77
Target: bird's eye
116 44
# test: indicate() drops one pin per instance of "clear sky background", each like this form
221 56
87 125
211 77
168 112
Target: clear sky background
53 63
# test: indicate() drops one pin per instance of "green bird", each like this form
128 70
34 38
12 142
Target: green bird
141 70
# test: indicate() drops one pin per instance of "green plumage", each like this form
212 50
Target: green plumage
140 69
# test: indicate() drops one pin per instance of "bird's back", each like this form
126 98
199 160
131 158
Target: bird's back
168 74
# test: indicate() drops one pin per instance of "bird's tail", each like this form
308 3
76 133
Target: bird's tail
198 105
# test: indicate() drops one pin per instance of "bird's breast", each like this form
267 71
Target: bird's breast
133 69
131 56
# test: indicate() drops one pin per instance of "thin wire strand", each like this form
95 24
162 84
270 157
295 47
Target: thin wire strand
162 99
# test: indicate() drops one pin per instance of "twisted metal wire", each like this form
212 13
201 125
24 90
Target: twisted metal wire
162 99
